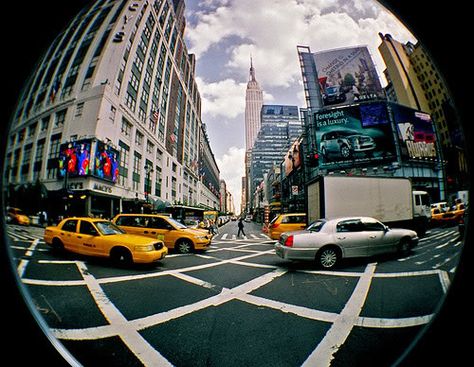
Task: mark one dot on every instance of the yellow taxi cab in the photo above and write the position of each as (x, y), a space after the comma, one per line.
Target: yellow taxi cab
(17, 216)
(285, 223)
(174, 234)
(99, 237)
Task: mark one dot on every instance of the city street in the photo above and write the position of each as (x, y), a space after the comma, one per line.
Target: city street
(236, 304)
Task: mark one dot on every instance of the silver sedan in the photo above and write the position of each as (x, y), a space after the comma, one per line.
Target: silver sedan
(329, 241)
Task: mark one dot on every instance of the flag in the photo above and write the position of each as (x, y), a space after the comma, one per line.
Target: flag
(54, 90)
(155, 115)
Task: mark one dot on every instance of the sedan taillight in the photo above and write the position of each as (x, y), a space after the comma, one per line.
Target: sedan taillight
(289, 241)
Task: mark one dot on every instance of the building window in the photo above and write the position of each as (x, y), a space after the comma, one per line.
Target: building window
(124, 151)
(53, 156)
(79, 109)
(158, 180)
(126, 127)
(138, 139)
(60, 118)
(137, 162)
(112, 114)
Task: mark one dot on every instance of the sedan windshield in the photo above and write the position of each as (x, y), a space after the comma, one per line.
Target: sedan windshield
(108, 228)
(316, 226)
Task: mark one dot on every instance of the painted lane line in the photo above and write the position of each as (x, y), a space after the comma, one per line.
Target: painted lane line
(444, 280)
(301, 311)
(224, 236)
(342, 326)
(24, 263)
(381, 323)
(135, 342)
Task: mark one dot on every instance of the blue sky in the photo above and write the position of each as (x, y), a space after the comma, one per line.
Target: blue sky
(224, 33)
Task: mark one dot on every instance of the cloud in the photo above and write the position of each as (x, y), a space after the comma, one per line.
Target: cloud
(231, 167)
(273, 29)
(225, 98)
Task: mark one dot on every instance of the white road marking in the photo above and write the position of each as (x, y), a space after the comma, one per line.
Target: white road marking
(24, 263)
(342, 326)
(224, 236)
(148, 355)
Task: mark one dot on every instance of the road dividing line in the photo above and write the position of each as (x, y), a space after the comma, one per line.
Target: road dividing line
(24, 263)
(131, 337)
(342, 326)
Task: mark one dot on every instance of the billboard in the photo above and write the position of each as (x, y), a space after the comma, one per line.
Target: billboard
(354, 135)
(415, 132)
(293, 157)
(347, 75)
(74, 158)
(106, 165)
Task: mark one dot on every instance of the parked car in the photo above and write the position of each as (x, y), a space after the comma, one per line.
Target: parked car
(174, 234)
(285, 223)
(17, 216)
(334, 94)
(329, 241)
(248, 218)
(341, 144)
(99, 237)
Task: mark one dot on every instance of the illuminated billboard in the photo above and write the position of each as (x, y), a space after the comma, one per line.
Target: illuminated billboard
(106, 163)
(354, 135)
(416, 133)
(293, 157)
(347, 75)
(74, 158)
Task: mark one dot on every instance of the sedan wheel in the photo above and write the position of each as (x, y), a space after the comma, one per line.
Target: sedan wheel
(328, 257)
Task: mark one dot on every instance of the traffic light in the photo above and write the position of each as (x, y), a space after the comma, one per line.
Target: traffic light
(313, 159)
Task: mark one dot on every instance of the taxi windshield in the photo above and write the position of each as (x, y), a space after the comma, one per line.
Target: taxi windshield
(108, 228)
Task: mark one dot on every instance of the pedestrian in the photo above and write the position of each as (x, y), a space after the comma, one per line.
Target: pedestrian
(241, 227)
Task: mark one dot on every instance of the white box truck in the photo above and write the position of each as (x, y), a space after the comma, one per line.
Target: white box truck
(388, 199)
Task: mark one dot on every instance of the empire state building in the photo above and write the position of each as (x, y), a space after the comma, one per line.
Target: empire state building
(253, 107)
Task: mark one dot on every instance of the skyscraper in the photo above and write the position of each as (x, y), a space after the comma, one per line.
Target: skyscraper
(253, 106)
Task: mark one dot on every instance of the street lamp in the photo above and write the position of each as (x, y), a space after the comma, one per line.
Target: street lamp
(148, 171)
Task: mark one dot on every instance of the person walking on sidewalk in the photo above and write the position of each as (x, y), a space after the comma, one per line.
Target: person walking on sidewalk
(241, 227)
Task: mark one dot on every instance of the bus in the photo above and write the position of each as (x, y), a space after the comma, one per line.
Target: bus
(211, 215)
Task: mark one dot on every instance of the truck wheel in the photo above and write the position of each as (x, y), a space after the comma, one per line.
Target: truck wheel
(328, 257)
(184, 246)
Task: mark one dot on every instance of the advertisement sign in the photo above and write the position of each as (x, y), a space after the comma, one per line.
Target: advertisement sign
(74, 158)
(354, 135)
(293, 158)
(106, 162)
(347, 75)
(416, 134)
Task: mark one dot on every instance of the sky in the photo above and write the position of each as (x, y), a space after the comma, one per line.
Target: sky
(225, 34)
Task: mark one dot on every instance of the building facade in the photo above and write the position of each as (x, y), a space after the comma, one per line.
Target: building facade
(414, 81)
(281, 126)
(118, 80)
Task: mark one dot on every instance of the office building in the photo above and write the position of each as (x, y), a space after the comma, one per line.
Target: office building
(111, 118)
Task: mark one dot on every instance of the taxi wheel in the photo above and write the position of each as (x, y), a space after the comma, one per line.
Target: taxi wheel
(57, 244)
(121, 256)
(184, 246)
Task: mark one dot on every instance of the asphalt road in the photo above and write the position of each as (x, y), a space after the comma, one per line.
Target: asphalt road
(236, 304)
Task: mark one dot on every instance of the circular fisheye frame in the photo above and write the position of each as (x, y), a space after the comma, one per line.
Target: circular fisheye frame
(267, 183)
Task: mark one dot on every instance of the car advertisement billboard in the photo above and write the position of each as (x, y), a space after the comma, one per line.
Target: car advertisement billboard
(354, 135)
(347, 75)
(74, 158)
(106, 162)
(416, 133)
